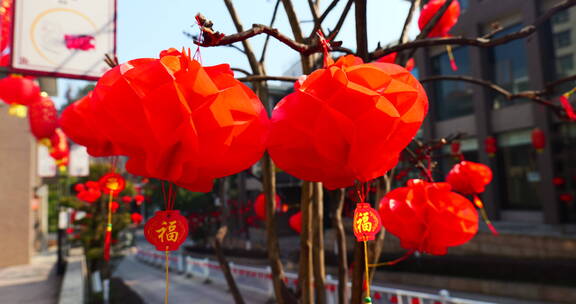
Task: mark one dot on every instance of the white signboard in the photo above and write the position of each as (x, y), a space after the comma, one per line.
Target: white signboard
(65, 38)
(79, 161)
(46, 164)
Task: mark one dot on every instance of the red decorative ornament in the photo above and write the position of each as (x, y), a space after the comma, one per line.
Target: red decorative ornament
(565, 102)
(206, 124)
(366, 223)
(391, 58)
(377, 296)
(5, 31)
(566, 198)
(114, 206)
(112, 183)
(19, 90)
(43, 118)
(445, 24)
(260, 205)
(538, 140)
(139, 199)
(558, 181)
(166, 230)
(455, 148)
(136, 218)
(295, 222)
(490, 146)
(126, 199)
(89, 192)
(59, 149)
(469, 177)
(428, 217)
(325, 130)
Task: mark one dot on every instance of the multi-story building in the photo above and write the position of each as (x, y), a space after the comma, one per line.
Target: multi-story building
(529, 186)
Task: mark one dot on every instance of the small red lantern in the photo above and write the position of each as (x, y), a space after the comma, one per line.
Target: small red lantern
(20, 90)
(260, 205)
(469, 177)
(566, 198)
(136, 218)
(89, 192)
(366, 223)
(166, 230)
(139, 199)
(43, 118)
(114, 206)
(445, 24)
(490, 146)
(112, 183)
(428, 217)
(295, 222)
(126, 199)
(538, 140)
(558, 181)
(391, 58)
(455, 148)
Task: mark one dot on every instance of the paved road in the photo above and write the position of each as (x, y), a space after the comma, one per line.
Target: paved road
(149, 283)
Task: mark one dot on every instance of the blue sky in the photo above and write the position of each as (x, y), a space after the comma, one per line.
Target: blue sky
(145, 27)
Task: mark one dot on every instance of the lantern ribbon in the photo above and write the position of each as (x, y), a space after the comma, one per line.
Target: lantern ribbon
(451, 57)
(395, 261)
(367, 299)
(108, 236)
(565, 102)
(480, 206)
(326, 48)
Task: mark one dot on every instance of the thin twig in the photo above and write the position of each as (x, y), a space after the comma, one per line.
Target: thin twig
(408, 21)
(332, 35)
(265, 78)
(268, 36)
(241, 71)
(318, 24)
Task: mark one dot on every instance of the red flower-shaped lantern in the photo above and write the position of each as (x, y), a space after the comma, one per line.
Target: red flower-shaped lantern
(166, 230)
(469, 177)
(19, 90)
(43, 118)
(391, 58)
(366, 223)
(538, 140)
(295, 222)
(347, 122)
(260, 205)
(428, 217)
(174, 119)
(445, 24)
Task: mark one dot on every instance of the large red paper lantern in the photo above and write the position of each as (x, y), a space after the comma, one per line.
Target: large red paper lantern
(166, 230)
(445, 24)
(469, 177)
(366, 223)
(428, 217)
(174, 119)
(538, 140)
(260, 205)
(347, 122)
(43, 118)
(20, 90)
(295, 222)
(391, 58)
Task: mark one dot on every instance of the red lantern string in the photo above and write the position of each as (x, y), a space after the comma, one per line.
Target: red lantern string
(110, 190)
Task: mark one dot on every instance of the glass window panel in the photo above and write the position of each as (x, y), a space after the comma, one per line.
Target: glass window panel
(562, 26)
(518, 169)
(452, 98)
(509, 67)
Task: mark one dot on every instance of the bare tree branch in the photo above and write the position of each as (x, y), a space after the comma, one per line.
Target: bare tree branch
(264, 78)
(332, 35)
(361, 29)
(268, 36)
(318, 24)
(408, 21)
(314, 12)
(242, 71)
(247, 47)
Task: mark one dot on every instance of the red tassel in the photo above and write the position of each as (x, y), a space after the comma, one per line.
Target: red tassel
(568, 108)
(480, 206)
(107, 242)
(453, 65)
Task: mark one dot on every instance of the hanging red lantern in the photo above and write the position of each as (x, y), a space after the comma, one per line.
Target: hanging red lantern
(112, 183)
(428, 217)
(16, 89)
(136, 218)
(490, 146)
(43, 118)
(366, 223)
(566, 198)
(391, 58)
(59, 149)
(126, 199)
(538, 140)
(89, 192)
(114, 206)
(455, 148)
(206, 124)
(166, 230)
(295, 222)
(139, 199)
(325, 130)
(558, 181)
(260, 205)
(469, 177)
(445, 24)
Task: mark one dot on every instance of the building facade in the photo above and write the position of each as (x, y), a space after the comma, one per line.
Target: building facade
(529, 186)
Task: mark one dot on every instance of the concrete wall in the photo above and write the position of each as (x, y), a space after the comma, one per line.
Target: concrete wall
(17, 175)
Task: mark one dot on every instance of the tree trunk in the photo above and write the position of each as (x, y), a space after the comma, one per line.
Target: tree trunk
(384, 184)
(357, 274)
(341, 243)
(305, 269)
(318, 249)
(225, 267)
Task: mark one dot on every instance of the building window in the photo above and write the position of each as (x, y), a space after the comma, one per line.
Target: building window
(562, 39)
(508, 64)
(518, 171)
(452, 98)
(565, 65)
(561, 17)
(565, 168)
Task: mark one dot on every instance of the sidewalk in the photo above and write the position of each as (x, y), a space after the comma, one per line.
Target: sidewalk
(35, 283)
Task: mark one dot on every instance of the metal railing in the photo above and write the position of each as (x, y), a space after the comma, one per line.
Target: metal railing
(259, 279)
